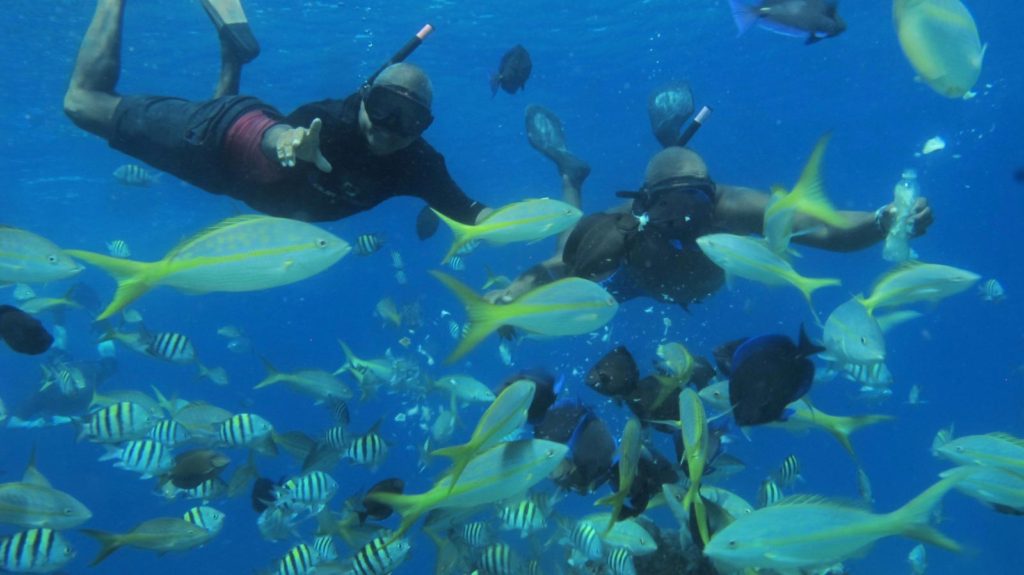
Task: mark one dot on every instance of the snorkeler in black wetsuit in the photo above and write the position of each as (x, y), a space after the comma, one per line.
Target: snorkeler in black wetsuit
(355, 154)
(647, 246)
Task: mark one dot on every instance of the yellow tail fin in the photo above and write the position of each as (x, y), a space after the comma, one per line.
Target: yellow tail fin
(133, 278)
(483, 316)
(109, 542)
(808, 195)
(912, 520)
(842, 427)
(462, 232)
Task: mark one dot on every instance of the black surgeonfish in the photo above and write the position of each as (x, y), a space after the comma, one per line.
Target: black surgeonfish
(375, 510)
(263, 494)
(591, 449)
(22, 332)
(513, 72)
(560, 421)
(815, 19)
(615, 374)
(547, 389)
(767, 373)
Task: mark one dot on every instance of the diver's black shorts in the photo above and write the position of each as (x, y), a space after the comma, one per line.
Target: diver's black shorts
(181, 137)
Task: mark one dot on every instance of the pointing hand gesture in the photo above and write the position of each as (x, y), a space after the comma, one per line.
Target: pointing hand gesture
(302, 144)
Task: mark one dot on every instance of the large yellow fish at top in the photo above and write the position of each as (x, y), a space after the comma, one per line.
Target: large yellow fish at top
(941, 41)
(244, 253)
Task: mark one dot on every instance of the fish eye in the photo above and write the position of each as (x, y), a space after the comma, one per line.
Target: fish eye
(732, 543)
(52, 258)
(68, 511)
(959, 449)
(321, 243)
(864, 340)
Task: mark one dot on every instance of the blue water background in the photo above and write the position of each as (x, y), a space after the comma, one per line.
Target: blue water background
(594, 64)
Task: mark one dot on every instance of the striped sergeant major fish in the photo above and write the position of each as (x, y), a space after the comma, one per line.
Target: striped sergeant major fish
(475, 534)
(312, 491)
(117, 423)
(499, 559)
(208, 518)
(380, 556)
(209, 490)
(620, 562)
(119, 249)
(369, 449)
(367, 244)
(245, 429)
(769, 493)
(299, 560)
(135, 175)
(585, 541)
(170, 433)
(144, 456)
(524, 516)
(325, 548)
(456, 263)
(789, 472)
(35, 551)
(173, 347)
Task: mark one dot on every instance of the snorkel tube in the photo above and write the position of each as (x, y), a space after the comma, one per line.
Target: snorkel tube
(402, 52)
(691, 130)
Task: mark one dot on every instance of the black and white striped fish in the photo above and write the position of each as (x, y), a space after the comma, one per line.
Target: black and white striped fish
(173, 347)
(769, 493)
(499, 559)
(244, 429)
(143, 456)
(456, 263)
(117, 423)
(789, 472)
(208, 518)
(586, 541)
(135, 175)
(339, 409)
(209, 490)
(620, 562)
(35, 551)
(369, 449)
(468, 247)
(299, 560)
(991, 290)
(336, 437)
(476, 534)
(311, 492)
(119, 249)
(379, 557)
(367, 244)
(523, 516)
(325, 548)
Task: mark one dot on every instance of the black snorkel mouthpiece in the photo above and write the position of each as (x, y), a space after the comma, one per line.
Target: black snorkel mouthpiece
(402, 53)
(691, 130)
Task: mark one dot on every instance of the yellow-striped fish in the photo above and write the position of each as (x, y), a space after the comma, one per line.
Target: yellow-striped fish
(28, 258)
(629, 458)
(694, 424)
(940, 40)
(570, 306)
(525, 221)
(244, 253)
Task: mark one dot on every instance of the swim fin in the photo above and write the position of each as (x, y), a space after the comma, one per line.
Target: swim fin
(233, 28)
(668, 109)
(544, 131)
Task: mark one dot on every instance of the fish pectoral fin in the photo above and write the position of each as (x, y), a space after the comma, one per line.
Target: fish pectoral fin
(288, 264)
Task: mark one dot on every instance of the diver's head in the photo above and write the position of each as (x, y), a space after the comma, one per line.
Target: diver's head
(677, 197)
(395, 109)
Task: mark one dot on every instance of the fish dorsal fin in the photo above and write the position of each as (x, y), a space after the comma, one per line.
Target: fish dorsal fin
(232, 221)
(32, 474)
(1007, 438)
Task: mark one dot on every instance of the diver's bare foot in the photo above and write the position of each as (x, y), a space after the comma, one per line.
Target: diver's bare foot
(233, 26)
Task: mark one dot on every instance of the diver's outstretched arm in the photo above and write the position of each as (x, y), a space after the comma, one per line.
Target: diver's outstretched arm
(741, 210)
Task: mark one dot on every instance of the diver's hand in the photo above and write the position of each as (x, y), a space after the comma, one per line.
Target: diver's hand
(921, 216)
(302, 144)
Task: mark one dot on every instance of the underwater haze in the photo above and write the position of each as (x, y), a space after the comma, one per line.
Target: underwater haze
(594, 65)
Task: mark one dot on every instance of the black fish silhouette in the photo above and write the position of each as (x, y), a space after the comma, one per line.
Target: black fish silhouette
(513, 72)
(24, 333)
(615, 374)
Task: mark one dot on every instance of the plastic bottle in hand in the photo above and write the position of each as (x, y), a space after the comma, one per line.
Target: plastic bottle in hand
(897, 243)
